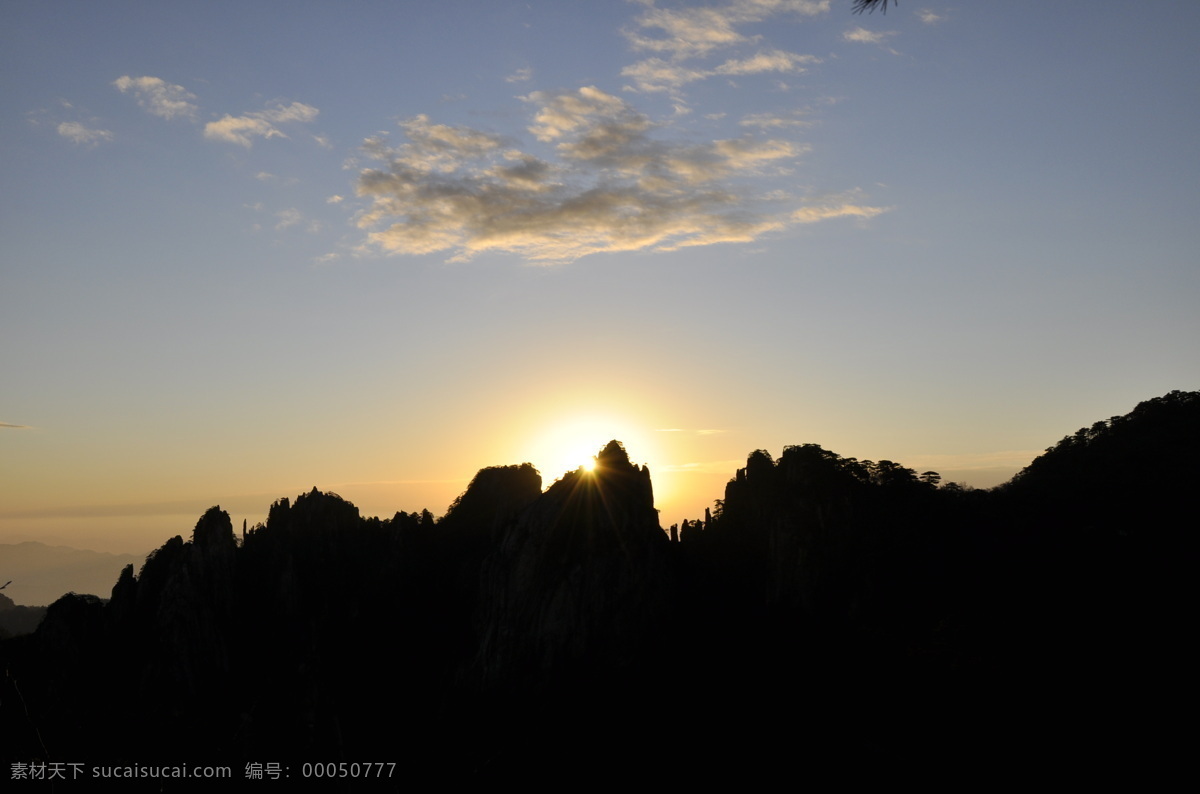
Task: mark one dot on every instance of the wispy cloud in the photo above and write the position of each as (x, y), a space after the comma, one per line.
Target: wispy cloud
(522, 75)
(293, 217)
(845, 205)
(288, 217)
(259, 124)
(82, 135)
(772, 121)
(681, 42)
(864, 36)
(770, 61)
(928, 16)
(685, 32)
(159, 97)
(655, 74)
(702, 432)
(696, 32)
(614, 186)
(8, 426)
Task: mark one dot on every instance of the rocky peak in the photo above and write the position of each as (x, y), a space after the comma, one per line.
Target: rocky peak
(493, 498)
(613, 456)
(582, 574)
(214, 531)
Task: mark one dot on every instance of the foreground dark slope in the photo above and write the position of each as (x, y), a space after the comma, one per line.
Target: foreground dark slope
(832, 616)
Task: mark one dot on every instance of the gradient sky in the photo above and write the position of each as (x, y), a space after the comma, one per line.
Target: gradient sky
(248, 248)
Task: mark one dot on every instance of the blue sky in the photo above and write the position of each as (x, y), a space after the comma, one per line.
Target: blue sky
(248, 248)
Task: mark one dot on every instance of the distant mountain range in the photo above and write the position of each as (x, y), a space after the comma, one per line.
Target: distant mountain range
(41, 574)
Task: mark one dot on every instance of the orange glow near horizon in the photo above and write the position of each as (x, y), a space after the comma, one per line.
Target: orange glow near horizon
(570, 443)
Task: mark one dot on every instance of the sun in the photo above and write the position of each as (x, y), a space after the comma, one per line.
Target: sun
(565, 440)
(572, 444)
(575, 453)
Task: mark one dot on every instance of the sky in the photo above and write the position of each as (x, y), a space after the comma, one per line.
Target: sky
(248, 249)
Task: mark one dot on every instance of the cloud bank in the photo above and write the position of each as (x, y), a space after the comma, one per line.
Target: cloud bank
(614, 184)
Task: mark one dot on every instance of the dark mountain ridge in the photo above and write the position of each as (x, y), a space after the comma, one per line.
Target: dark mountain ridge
(830, 616)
